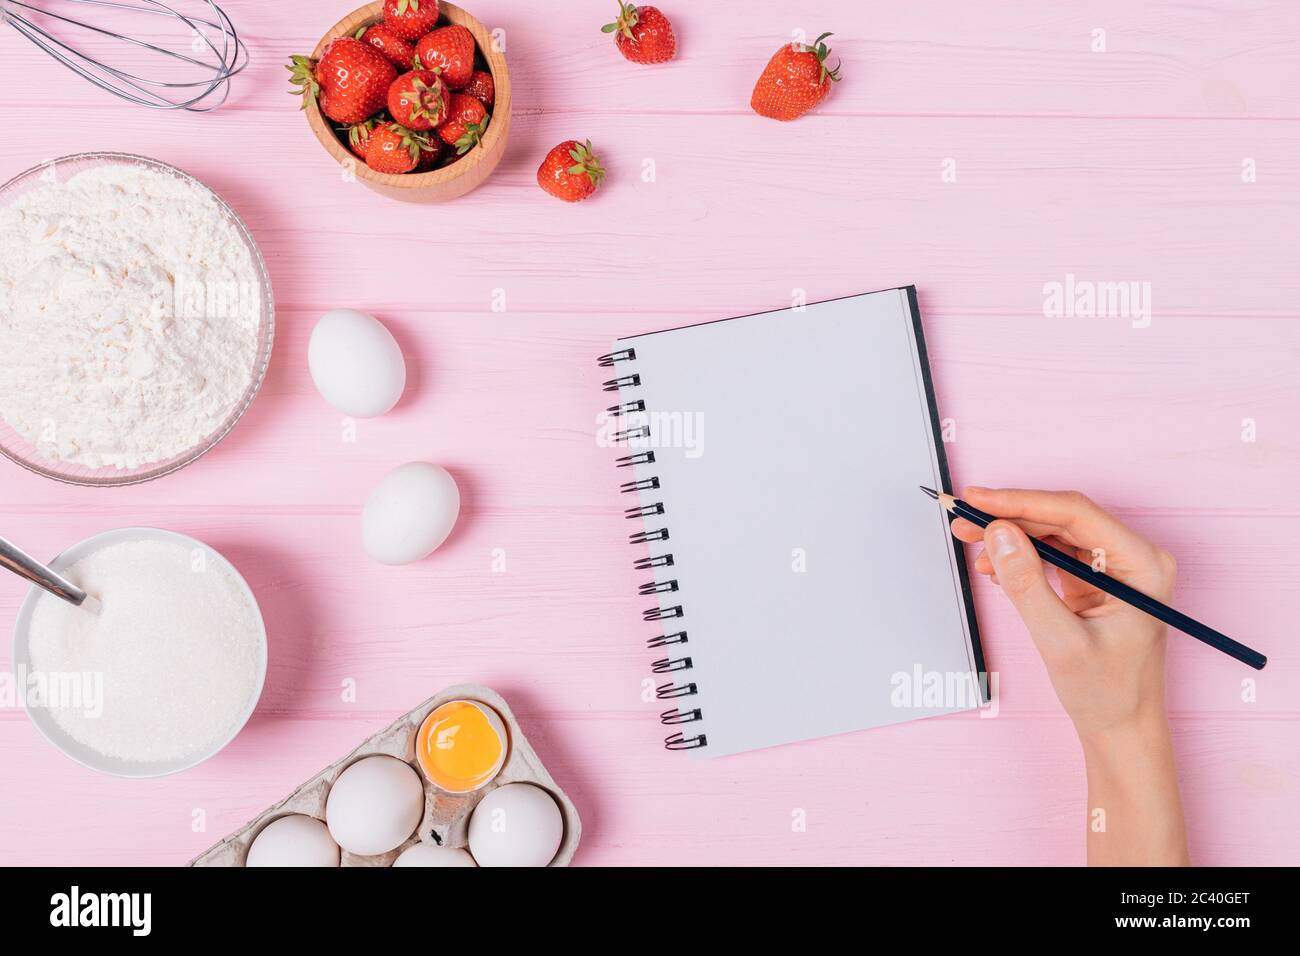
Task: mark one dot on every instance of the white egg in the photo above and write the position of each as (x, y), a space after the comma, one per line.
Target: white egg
(295, 840)
(374, 805)
(410, 513)
(516, 825)
(356, 363)
(426, 854)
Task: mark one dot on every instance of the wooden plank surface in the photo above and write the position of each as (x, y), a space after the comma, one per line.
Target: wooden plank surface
(1116, 166)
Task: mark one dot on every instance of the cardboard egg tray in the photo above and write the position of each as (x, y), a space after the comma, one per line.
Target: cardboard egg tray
(446, 816)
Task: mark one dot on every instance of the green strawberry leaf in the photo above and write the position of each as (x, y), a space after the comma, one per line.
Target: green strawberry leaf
(302, 74)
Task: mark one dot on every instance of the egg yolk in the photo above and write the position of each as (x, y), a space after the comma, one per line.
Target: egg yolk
(458, 748)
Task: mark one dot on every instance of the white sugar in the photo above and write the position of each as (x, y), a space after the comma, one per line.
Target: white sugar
(178, 645)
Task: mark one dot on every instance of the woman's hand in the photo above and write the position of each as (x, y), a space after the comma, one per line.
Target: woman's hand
(1105, 659)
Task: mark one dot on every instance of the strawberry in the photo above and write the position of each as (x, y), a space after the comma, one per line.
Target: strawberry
(644, 35)
(411, 19)
(466, 123)
(449, 50)
(396, 50)
(350, 83)
(358, 136)
(482, 85)
(795, 80)
(431, 149)
(571, 171)
(393, 148)
(419, 100)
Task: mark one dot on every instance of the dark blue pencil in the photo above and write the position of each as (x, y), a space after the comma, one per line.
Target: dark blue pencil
(1103, 582)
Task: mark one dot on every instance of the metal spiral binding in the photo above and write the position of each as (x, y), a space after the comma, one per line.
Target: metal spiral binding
(645, 484)
(645, 458)
(627, 434)
(627, 381)
(665, 665)
(610, 360)
(655, 587)
(663, 613)
(664, 640)
(641, 537)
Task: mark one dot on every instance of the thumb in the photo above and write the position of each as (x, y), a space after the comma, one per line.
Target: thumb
(1022, 578)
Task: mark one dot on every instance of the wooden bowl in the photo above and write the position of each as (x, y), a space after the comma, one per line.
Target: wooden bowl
(438, 185)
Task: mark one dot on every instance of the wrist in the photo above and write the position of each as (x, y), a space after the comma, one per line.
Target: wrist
(1134, 811)
(1120, 748)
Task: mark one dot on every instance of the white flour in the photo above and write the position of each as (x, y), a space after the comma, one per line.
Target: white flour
(129, 310)
(177, 645)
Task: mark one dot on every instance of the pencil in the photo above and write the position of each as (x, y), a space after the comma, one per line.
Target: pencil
(1118, 589)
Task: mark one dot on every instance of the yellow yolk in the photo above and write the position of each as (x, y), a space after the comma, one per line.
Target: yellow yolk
(461, 746)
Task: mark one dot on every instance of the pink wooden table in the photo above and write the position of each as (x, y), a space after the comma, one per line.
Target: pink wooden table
(979, 151)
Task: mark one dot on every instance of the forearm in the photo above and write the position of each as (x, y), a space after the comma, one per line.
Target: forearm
(1135, 815)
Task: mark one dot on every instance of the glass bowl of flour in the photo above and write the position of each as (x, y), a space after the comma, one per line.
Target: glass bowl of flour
(164, 677)
(136, 319)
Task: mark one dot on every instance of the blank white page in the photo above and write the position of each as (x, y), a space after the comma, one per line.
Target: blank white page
(817, 583)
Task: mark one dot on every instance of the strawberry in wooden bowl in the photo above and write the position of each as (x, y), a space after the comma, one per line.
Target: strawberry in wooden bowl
(412, 96)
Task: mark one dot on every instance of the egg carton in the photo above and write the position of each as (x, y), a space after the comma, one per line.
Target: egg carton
(446, 816)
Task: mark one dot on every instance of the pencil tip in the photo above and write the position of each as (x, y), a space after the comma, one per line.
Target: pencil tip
(931, 492)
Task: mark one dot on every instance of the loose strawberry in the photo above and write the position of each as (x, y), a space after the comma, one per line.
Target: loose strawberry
(449, 50)
(393, 149)
(384, 39)
(419, 100)
(482, 85)
(350, 83)
(795, 80)
(571, 171)
(358, 136)
(643, 34)
(466, 123)
(411, 19)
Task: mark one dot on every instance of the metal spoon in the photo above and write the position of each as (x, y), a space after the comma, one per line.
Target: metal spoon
(25, 566)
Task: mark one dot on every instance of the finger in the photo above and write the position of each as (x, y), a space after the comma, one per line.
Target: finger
(1067, 514)
(1085, 605)
(967, 531)
(983, 564)
(1021, 575)
(1072, 587)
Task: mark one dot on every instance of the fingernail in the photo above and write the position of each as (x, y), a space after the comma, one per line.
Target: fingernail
(1002, 543)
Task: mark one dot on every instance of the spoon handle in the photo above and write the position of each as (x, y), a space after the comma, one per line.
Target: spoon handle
(25, 566)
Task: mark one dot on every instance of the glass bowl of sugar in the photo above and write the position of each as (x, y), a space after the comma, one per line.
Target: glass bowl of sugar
(138, 319)
(164, 677)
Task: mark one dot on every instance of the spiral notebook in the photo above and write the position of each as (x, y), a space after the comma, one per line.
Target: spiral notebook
(805, 587)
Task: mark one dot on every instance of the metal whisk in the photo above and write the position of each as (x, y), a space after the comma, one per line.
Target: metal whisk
(202, 76)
